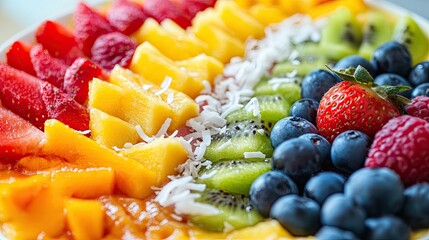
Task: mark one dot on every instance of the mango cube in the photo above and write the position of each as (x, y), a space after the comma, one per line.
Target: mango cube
(151, 64)
(111, 131)
(161, 156)
(173, 46)
(203, 67)
(183, 107)
(85, 219)
(136, 107)
(132, 178)
(239, 20)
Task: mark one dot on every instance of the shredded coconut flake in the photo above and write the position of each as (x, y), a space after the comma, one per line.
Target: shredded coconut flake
(146, 87)
(164, 85)
(83, 132)
(253, 106)
(170, 98)
(254, 155)
(163, 130)
(143, 135)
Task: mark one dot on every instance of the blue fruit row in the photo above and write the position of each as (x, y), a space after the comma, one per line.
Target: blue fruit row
(390, 65)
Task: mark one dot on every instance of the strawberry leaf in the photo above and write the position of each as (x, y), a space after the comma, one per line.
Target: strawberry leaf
(343, 74)
(363, 76)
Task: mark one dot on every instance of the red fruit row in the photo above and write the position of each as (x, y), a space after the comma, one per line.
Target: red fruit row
(51, 79)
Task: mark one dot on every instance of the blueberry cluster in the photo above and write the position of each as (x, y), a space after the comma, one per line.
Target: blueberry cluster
(390, 65)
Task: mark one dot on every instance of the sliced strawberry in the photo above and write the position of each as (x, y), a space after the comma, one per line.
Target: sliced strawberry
(126, 16)
(37, 101)
(89, 25)
(59, 41)
(17, 136)
(163, 9)
(18, 56)
(192, 7)
(62, 107)
(113, 48)
(78, 76)
(47, 67)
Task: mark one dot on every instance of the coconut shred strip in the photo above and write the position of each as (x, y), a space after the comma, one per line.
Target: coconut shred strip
(230, 93)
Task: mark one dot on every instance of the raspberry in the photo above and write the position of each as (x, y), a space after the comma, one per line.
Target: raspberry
(126, 16)
(402, 145)
(419, 108)
(111, 49)
(88, 25)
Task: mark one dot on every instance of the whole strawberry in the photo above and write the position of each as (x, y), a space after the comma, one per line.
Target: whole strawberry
(419, 108)
(403, 146)
(357, 104)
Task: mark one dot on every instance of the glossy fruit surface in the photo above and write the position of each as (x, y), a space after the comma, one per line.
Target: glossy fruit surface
(323, 185)
(409, 160)
(269, 187)
(379, 191)
(288, 128)
(305, 108)
(419, 74)
(317, 83)
(340, 150)
(393, 80)
(392, 57)
(416, 206)
(300, 216)
(354, 61)
(386, 227)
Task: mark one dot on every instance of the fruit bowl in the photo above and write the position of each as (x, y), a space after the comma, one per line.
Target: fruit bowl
(131, 171)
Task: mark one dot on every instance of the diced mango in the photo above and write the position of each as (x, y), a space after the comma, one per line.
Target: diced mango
(155, 67)
(203, 67)
(85, 219)
(173, 28)
(136, 107)
(29, 207)
(221, 45)
(162, 156)
(269, 229)
(267, 14)
(105, 96)
(239, 20)
(84, 183)
(290, 7)
(111, 131)
(132, 178)
(325, 9)
(211, 18)
(183, 107)
(175, 47)
(246, 3)
(37, 163)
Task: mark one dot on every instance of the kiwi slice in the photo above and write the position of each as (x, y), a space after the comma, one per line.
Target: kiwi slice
(309, 58)
(235, 211)
(272, 109)
(238, 138)
(290, 92)
(223, 175)
(377, 30)
(341, 36)
(408, 32)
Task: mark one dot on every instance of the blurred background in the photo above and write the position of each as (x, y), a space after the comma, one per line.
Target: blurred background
(16, 15)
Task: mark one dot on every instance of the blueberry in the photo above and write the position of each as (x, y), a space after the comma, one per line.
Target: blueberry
(305, 108)
(378, 190)
(341, 155)
(333, 233)
(269, 187)
(386, 227)
(290, 127)
(392, 57)
(298, 158)
(298, 215)
(420, 90)
(322, 146)
(354, 61)
(419, 74)
(393, 80)
(317, 83)
(323, 185)
(341, 212)
(416, 206)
